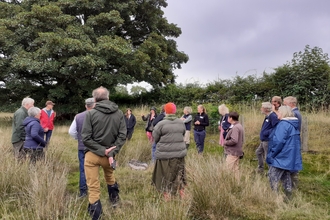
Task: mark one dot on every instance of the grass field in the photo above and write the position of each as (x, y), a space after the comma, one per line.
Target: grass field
(50, 190)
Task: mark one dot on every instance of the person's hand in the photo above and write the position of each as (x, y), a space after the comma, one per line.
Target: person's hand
(182, 119)
(197, 123)
(110, 160)
(107, 151)
(45, 129)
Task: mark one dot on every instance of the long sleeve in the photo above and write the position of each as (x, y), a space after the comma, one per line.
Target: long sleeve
(73, 129)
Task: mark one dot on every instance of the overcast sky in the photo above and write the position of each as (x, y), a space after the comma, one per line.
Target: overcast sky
(227, 37)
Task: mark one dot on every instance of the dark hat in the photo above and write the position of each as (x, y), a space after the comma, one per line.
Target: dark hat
(153, 108)
(50, 103)
(170, 108)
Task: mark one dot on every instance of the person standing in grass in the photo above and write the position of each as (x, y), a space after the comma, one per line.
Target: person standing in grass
(224, 124)
(18, 131)
(187, 118)
(130, 123)
(234, 144)
(103, 134)
(284, 156)
(201, 120)
(149, 125)
(292, 103)
(268, 125)
(75, 132)
(168, 174)
(47, 120)
(34, 143)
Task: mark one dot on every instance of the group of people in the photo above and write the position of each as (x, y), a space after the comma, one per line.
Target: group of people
(32, 129)
(103, 128)
(280, 143)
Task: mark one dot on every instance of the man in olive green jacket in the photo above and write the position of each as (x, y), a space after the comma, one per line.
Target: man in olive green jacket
(18, 133)
(103, 134)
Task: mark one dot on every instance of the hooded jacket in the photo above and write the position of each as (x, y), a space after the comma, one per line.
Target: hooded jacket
(18, 128)
(284, 146)
(34, 133)
(47, 121)
(168, 135)
(104, 127)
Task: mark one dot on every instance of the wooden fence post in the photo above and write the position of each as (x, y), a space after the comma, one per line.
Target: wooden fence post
(304, 134)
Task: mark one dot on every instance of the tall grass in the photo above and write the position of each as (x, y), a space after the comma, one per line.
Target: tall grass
(49, 189)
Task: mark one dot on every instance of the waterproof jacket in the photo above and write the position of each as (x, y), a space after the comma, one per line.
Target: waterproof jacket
(234, 140)
(104, 127)
(284, 146)
(34, 133)
(18, 128)
(268, 125)
(130, 122)
(149, 125)
(47, 121)
(168, 135)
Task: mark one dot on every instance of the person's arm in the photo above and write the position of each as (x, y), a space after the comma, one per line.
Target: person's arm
(35, 134)
(19, 118)
(121, 138)
(232, 137)
(87, 137)
(73, 129)
(188, 119)
(158, 118)
(133, 121)
(205, 121)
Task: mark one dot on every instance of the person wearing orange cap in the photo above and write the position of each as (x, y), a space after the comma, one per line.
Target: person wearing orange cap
(168, 174)
(47, 120)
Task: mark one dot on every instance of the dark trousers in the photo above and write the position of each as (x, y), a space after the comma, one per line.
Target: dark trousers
(199, 137)
(82, 177)
(129, 134)
(34, 154)
(48, 134)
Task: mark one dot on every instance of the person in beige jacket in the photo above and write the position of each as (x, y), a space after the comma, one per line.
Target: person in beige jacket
(234, 144)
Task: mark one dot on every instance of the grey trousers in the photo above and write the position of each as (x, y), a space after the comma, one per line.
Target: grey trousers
(261, 153)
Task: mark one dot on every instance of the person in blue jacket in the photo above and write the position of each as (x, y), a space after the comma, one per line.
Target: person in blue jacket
(284, 155)
(34, 139)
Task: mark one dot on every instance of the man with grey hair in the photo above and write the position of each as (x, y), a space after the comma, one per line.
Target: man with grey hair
(18, 132)
(75, 132)
(103, 134)
(269, 123)
(292, 103)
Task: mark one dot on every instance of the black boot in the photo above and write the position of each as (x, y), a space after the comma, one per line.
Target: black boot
(187, 146)
(95, 210)
(113, 191)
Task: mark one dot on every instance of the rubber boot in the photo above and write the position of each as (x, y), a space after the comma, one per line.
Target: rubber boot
(187, 146)
(113, 191)
(95, 210)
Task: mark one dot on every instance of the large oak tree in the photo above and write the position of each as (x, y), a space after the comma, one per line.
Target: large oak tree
(63, 49)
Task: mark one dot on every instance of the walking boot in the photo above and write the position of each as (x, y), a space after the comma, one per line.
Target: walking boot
(113, 191)
(95, 210)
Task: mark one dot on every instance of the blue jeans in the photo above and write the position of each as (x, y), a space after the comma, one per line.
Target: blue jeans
(48, 134)
(199, 137)
(82, 177)
(153, 150)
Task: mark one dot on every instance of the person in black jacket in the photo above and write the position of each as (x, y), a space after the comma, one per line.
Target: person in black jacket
(201, 120)
(130, 123)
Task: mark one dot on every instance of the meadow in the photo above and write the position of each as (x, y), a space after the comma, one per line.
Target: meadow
(49, 190)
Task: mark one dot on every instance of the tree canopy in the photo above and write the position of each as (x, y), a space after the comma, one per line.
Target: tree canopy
(63, 49)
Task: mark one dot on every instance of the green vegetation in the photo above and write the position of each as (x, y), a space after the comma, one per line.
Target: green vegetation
(50, 190)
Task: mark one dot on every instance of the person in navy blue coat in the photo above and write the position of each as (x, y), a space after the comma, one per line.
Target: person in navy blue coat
(284, 154)
(34, 139)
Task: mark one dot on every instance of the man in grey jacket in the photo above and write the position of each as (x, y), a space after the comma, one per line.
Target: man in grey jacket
(104, 133)
(18, 134)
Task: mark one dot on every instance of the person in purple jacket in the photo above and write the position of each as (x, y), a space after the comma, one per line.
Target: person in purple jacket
(34, 139)
(75, 132)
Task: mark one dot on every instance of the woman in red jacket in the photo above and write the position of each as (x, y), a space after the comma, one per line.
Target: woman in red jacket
(47, 120)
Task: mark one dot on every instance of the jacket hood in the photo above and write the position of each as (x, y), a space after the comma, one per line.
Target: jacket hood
(293, 121)
(29, 119)
(106, 107)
